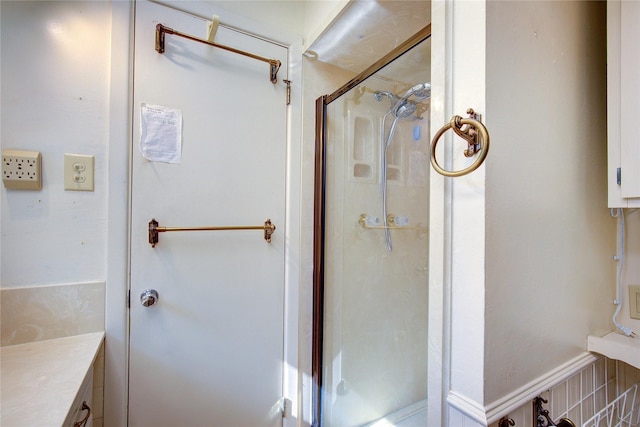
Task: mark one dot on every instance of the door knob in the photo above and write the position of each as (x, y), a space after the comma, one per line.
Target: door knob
(149, 297)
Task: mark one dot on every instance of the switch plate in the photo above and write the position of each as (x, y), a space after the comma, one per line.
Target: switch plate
(78, 172)
(21, 169)
(634, 301)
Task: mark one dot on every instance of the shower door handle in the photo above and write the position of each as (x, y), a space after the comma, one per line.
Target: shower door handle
(149, 297)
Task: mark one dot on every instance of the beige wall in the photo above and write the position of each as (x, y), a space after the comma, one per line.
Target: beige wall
(549, 235)
(537, 211)
(631, 271)
(39, 313)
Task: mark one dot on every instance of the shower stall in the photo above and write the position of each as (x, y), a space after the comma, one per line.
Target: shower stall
(371, 243)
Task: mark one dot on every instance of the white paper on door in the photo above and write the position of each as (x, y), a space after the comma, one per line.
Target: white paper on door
(160, 133)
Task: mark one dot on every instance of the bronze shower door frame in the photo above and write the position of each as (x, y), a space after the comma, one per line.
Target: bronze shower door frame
(319, 212)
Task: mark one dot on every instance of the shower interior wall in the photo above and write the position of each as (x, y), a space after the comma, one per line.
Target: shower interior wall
(376, 300)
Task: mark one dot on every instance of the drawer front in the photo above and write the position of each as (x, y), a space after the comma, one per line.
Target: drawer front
(80, 414)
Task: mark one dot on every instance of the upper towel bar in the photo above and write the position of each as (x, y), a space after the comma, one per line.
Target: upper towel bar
(161, 30)
(154, 229)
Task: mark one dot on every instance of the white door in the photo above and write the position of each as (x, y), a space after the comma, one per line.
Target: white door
(210, 351)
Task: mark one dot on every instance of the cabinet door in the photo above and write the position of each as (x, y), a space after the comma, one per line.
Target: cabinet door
(623, 92)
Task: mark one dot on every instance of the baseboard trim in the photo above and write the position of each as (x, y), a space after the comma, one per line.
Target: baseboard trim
(492, 412)
(468, 407)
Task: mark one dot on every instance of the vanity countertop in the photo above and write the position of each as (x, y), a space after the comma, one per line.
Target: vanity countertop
(40, 380)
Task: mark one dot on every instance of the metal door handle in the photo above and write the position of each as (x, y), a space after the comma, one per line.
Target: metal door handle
(149, 297)
(83, 422)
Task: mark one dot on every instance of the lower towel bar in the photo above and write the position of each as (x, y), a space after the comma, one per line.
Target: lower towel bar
(155, 228)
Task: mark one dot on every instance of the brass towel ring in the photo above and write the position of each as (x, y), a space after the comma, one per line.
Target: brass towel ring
(470, 134)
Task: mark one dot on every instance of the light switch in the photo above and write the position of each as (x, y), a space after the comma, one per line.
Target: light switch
(634, 301)
(78, 172)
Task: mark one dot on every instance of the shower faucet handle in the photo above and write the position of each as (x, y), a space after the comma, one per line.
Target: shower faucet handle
(397, 220)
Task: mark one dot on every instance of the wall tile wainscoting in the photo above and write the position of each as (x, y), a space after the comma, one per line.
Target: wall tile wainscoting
(583, 394)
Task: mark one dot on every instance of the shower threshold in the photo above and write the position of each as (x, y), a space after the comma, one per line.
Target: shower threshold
(414, 415)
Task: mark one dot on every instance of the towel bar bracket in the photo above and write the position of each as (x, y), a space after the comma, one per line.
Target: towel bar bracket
(541, 416)
(506, 422)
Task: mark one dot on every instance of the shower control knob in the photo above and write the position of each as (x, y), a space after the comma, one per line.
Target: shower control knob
(149, 297)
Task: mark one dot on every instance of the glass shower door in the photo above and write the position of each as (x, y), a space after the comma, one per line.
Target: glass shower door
(375, 162)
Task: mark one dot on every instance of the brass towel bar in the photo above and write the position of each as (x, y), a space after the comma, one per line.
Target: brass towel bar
(154, 229)
(161, 30)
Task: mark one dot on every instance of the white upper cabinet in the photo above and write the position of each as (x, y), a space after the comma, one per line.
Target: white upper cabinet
(623, 97)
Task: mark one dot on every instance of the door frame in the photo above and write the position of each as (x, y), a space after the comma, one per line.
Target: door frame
(119, 199)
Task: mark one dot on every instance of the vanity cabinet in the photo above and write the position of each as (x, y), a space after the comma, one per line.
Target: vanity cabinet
(46, 382)
(623, 103)
(81, 414)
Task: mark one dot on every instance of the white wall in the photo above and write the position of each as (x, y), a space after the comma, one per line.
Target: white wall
(457, 214)
(308, 18)
(285, 15)
(55, 99)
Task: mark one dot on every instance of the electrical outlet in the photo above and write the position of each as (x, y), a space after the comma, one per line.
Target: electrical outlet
(78, 172)
(21, 169)
(634, 301)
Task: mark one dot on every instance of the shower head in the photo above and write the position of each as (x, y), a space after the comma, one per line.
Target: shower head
(401, 106)
(420, 91)
(404, 109)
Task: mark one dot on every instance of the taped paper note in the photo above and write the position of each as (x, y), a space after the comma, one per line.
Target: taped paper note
(161, 133)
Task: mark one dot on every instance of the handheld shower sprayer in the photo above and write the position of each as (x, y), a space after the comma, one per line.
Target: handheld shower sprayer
(405, 107)
(402, 108)
(420, 91)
